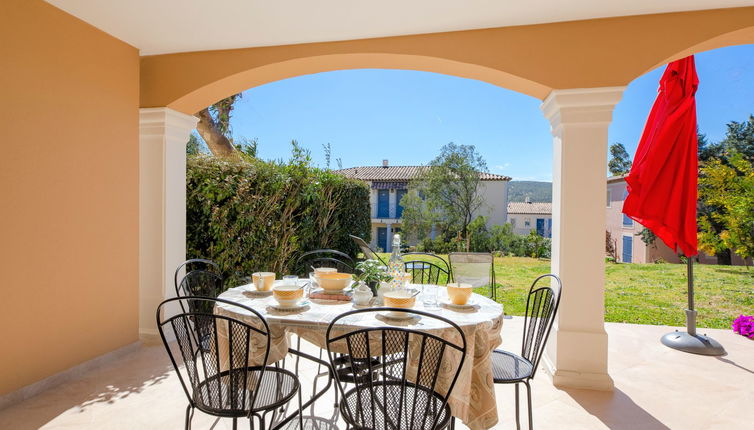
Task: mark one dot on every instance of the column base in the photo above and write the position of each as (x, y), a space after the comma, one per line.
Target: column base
(578, 359)
(586, 381)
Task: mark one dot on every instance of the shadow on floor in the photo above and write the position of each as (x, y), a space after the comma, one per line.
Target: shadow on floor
(107, 384)
(733, 363)
(616, 410)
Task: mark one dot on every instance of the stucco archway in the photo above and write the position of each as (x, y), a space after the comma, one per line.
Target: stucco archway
(578, 102)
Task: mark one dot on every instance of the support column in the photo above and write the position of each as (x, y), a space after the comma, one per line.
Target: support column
(163, 134)
(577, 350)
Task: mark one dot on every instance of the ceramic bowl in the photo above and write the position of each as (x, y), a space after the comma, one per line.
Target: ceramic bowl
(288, 295)
(399, 299)
(334, 281)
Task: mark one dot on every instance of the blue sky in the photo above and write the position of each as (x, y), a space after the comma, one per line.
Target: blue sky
(406, 116)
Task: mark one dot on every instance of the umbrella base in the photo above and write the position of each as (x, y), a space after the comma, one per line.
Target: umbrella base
(695, 344)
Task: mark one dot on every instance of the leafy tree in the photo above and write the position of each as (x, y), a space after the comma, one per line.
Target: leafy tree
(214, 126)
(450, 185)
(620, 161)
(247, 146)
(740, 138)
(730, 188)
(417, 219)
(194, 145)
(647, 236)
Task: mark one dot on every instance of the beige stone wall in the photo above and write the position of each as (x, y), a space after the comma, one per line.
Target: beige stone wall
(69, 191)
(495, 206)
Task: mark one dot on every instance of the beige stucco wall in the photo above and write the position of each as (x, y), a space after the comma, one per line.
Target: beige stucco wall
(495, 206)
(531, 59)
(69, 192)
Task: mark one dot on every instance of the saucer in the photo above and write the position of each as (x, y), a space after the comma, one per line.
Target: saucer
(301, 306)
(252, 291)
(398, 315)
(470, 304)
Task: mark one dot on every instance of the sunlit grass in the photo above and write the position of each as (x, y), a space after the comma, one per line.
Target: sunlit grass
(643, 293)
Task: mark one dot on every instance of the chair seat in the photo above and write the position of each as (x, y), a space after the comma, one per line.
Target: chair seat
(383, 402)
(359, 371)
(509, 367)
(278, 386)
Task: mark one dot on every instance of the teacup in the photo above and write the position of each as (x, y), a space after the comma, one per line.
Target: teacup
(459, 294)
(263, 281)
(288, 295)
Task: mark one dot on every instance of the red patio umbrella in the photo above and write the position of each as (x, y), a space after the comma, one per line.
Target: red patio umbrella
(662, 184)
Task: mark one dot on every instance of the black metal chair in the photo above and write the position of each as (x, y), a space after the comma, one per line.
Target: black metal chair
(430, 269)
(509, 368)
(203, 278)
(369, 253)
(475, 268)
(311, 260)
(397, 370)
(225, 379)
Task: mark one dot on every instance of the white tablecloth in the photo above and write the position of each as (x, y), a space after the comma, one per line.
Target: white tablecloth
(472, 399)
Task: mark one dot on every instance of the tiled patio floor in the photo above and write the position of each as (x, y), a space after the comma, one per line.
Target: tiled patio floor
(656, 388)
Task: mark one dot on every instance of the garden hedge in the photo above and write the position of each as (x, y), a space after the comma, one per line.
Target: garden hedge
(253, 215)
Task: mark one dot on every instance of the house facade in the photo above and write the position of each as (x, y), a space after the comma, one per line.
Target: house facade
(389, 184)
(625, 232)
(527, 216)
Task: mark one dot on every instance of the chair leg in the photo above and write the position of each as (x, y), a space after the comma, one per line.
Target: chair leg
(518, 413)
(235, 423)
(189, 415)
(531, 415)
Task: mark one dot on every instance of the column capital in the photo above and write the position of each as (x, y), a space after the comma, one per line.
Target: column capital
(163, 121)
(582, 106)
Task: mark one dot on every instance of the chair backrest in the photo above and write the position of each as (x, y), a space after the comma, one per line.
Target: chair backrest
(541, 306)
(311, 260)
(475, 268)
(200, 283)
(215, 353)
(369, 253)
(402, 377)
(194, 264)
(426, 268)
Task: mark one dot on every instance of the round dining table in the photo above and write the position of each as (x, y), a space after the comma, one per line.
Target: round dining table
(473, 397)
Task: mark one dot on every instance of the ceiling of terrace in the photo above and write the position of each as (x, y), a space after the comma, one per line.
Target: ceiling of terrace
(168, 26)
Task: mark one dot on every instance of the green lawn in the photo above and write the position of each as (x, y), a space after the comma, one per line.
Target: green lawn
(644, 293)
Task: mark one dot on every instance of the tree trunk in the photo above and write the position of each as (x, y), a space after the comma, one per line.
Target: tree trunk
(724, 258)
(217, 143)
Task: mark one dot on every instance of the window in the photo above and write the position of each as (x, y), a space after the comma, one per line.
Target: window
(609, 198)
(628, 251)
(627, 221)
(399, 207)
(513, 222)
(527, 222)
(383, 204)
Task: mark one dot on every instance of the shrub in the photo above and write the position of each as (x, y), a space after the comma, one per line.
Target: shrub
(499, 240)
(250, 215)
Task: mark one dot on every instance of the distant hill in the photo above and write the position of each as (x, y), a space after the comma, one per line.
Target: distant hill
(536, 191)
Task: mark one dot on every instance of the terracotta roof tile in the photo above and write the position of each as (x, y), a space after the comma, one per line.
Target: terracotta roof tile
(399, 173)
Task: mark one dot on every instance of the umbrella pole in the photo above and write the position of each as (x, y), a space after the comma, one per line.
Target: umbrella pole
(690, 312)
(689, 341)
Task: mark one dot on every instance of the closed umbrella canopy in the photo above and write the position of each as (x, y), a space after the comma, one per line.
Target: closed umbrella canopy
(662, 184)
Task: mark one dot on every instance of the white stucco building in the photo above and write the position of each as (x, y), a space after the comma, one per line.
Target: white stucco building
(390, 183)
(527, 216)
